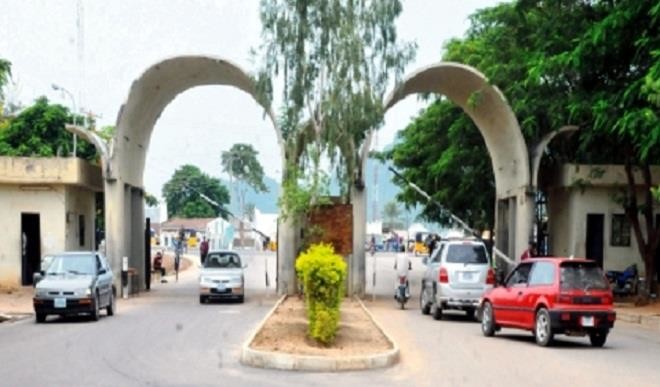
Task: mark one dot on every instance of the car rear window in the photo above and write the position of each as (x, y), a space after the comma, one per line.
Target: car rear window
(582, 275)
(223, 260)
(467, 253)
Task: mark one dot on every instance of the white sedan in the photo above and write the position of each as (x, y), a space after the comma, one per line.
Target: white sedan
(222, 277)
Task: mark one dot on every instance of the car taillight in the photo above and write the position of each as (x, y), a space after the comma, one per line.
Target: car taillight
(607, 300)
(443, 277)
(490, 277)
(564, 299)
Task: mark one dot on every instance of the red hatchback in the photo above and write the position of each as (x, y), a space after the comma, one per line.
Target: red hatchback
(551, 296)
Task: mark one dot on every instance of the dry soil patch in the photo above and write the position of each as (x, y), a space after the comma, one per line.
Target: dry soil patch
(286, 331)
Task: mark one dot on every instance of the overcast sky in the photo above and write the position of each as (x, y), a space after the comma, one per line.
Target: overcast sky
(120, 39)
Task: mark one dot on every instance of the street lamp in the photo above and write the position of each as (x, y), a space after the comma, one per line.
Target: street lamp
(75, 112)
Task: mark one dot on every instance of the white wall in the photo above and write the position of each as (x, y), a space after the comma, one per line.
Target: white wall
(49, 204)
(79, 201)
(568, 225)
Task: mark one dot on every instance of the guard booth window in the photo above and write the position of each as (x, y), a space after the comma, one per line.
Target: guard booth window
(620, 231)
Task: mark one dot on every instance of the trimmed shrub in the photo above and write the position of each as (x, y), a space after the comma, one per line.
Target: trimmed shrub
(322, 273)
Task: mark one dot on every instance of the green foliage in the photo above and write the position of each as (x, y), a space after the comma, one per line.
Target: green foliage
(334, 60)
(150, 200)
(322, 273)
(5, 75)
(301, 192)
(240, 162)
(39, 131)
(183, 194)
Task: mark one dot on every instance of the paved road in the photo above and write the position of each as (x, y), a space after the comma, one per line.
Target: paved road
(167, 338)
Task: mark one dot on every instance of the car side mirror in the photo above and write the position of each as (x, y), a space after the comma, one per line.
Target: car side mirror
(102, 271)
(245, 265)
(499, 278)
(36, 277)
(425, 260)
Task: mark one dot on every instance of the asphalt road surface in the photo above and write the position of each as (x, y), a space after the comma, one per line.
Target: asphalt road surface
(166, 338)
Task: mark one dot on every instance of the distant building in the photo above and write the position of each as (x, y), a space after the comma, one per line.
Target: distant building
(220, 234)
(585, 218)
(47, 205)
(194, 230)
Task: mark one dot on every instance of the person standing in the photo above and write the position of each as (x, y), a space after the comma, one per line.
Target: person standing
(203, 250)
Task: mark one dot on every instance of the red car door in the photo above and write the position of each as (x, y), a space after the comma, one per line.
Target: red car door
(540, 287)
(508, 305)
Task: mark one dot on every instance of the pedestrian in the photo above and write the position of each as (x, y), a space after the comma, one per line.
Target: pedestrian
(158, 264)
(530, 252)
(203, 250)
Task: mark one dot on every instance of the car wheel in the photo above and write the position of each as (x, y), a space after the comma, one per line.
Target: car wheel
(241, 299)
(423, 302)
(112, 304)
(470, 313)
(40, 317)
(96, 314)
(487, 320)
(543, 328)
(436, 311)
(202, 299)
(598, 338)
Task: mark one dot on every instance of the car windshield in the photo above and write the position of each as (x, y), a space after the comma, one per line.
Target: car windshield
(582, 275)
(72, 264)
(222, 261)
(468, 253)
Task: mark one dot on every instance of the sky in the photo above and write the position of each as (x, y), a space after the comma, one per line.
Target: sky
(118, 40)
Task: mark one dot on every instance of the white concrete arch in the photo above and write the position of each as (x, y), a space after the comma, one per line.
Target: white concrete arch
(149, 95)
(154, 90)
(488, 108)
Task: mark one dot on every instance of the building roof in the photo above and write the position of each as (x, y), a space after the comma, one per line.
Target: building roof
(197, 224)
(46, 171)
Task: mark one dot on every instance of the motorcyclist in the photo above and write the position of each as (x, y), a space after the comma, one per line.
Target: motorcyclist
(402, 265)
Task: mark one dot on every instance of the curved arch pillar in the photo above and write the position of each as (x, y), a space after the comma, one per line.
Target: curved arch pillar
(491, 113)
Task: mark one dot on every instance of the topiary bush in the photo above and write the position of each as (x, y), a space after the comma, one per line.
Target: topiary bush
(322, 273)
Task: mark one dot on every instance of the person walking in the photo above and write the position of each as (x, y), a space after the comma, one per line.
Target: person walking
(203, 250)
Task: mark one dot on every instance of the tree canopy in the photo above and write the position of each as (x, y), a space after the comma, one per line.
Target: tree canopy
(183, 194)
(39, 131)
(334, 60)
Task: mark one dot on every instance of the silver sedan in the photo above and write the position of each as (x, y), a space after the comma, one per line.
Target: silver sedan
(222, 277)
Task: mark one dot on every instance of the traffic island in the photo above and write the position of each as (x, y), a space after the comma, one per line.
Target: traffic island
(281, 341)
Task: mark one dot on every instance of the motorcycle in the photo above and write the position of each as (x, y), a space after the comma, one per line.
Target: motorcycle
(625, 282)
(402, 294)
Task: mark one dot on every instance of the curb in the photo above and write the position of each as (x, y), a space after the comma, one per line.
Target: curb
(651, 321)
(290, 362)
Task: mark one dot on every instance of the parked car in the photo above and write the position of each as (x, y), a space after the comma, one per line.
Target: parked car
(551, 296)
(457, 275)
(222, 277)
(74, 283)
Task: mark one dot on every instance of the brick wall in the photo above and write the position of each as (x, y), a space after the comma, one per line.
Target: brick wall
(336, 220)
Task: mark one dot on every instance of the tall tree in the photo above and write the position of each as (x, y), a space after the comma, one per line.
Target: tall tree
(334, 60)
(392, 213)
(5, 75)
(38, 131)
(183, 194)
(241, 164)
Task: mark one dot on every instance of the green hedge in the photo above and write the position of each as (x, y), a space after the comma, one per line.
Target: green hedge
(322, 273)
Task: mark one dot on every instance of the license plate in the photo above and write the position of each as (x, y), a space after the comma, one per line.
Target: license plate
(587, 321)
(220, 287)
(467, 276)
(60, 303)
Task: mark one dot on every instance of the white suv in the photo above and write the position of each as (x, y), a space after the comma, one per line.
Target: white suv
(457, 275)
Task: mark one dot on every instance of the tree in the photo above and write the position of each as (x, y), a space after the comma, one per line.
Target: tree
(183, 194)
(335, 59)
(5, 75)
(39, 131)
(241, 164)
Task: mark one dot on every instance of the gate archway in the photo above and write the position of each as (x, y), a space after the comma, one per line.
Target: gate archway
(491, 113)
(124, 166)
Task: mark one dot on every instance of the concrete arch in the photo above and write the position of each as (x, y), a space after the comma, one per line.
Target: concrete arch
(149, 95)
(488, 108)
(154, 90)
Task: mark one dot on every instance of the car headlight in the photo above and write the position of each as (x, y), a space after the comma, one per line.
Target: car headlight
(237, 279)
(42, 292)
(84, 292)
(204, 280)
